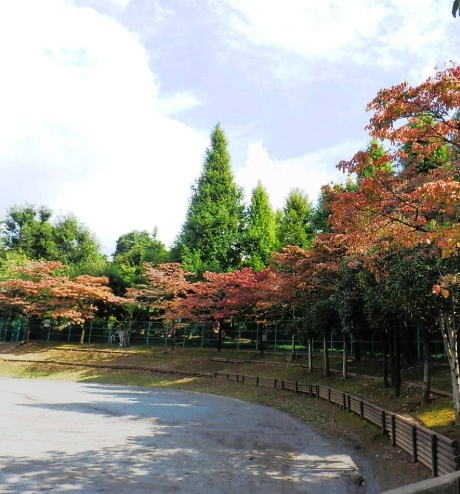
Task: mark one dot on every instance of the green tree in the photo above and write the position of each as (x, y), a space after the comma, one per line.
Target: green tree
(211, 236)
(294, 221)
(74, 242)
(456, 8)
(135, 248)
(260, 235)
(29, 230)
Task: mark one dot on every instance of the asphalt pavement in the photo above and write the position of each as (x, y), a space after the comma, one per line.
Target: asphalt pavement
(63, 437)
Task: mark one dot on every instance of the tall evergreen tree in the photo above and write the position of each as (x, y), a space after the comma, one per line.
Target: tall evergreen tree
(210, 239)
(294, 221)
(260, 238)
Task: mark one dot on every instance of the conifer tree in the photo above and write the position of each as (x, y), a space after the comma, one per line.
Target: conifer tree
(210, 239)
(260, 238)
(294, 220)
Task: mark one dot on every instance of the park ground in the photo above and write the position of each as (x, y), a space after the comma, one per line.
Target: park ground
(390, 466)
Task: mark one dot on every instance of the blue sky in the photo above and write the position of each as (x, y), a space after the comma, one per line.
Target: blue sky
(107, 105)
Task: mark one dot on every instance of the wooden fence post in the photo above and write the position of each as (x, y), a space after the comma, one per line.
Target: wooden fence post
(329, 395)
(361, 409)
(414, 444)
(434, 456)
(383, 423)
(393, 430)
(344, 403)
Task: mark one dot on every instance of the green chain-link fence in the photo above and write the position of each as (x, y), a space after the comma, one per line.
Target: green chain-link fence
(236, 335)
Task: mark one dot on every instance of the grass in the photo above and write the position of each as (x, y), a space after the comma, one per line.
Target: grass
(438, 414)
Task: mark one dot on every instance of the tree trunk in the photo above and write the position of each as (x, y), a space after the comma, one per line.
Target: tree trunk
(409, 354)
(345, 355)
(27, 331)
(448, 326)
(310, 354)
(397, 360)
(327, 371)
(261, 340)
(219, 338)
(82, 335)
(173, 337)
(392, 357)
(426, 365)
(357, 350)
(385, 362)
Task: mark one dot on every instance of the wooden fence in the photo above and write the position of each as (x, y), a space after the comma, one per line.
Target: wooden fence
(436, 452)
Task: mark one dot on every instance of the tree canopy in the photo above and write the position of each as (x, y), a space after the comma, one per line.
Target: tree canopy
(211, 236)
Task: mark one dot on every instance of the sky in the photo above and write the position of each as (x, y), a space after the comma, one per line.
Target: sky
(106, 106)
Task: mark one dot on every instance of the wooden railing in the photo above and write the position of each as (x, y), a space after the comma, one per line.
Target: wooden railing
(436, 452)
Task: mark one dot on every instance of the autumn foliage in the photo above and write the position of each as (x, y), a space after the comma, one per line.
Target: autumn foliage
(40, 289)
(411, 198)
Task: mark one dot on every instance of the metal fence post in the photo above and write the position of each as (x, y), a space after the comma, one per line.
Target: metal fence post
(202, 334)
(90, 331)
(148, 334)
(70, 330)
(185, 332)
(276, 330)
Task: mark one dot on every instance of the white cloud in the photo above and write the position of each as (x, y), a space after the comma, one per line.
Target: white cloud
(123, 3)
(81, 127)
(279, 177)
(362, 32)
(178, 103)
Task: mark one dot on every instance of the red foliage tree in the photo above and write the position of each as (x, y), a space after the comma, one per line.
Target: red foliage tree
(405, 207)
(41, 290)
(165, 284)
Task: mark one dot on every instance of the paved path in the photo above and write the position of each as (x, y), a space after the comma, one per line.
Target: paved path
(63, 437)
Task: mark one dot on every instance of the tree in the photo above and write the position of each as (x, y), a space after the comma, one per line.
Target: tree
(294, 221)
(135, 248)
(164, 285)
(309, 277)
(260, 235)
(29, 230)
(74, 242)
(245, 293)
(414, 209)
(210, 238)
(41, 289)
